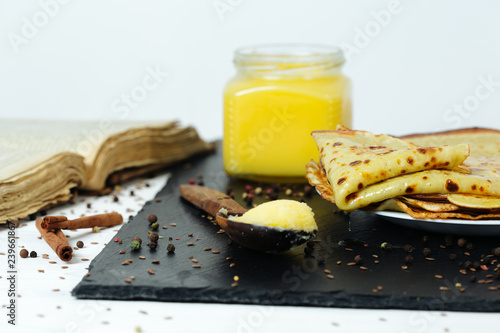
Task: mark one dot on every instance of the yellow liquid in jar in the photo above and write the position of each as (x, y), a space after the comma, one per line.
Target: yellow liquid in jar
(268, 123)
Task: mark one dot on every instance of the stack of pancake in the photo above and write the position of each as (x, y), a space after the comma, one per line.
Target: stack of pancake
(454, 174)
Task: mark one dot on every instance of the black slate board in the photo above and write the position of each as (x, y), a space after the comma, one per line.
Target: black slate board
(288, 278)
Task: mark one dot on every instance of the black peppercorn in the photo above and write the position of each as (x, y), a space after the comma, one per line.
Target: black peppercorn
(469, 246)
(476, 265)
(310, 244)
(496, 251)
(467, 264)
(497, 274)
(408, 248)
(452, 256)
(358, 259)
(425, 239)
(487, 260)
(308, 191)
(472, 278)
(33, 254)
(461, 242)
(170, 248)
(24, 253)
(79, 244)
(308, 251)
(153, 237)
(152, 218)
(409, 259)
(152, 245)
(427, 251)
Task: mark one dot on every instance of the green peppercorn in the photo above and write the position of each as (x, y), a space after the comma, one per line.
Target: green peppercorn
(155, 226)
(135, 245)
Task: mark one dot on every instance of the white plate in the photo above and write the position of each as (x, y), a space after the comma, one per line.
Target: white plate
(457, 227)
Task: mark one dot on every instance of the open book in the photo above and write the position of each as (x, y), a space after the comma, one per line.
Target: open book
(42, 161)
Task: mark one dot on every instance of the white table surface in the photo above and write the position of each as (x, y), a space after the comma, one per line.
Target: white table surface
(41, 309)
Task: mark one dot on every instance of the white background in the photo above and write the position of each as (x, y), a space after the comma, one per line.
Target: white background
(408, 73)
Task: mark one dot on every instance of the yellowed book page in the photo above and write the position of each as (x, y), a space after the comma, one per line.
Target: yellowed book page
(24, 144)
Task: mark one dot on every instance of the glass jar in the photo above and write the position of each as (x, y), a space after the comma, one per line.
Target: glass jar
(279, 95)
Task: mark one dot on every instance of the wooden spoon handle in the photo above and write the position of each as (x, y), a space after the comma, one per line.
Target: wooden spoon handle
(210, 200)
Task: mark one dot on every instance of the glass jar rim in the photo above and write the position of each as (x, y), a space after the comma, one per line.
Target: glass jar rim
(298, 53)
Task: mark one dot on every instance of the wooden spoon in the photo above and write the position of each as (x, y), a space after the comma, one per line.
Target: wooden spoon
(255, 237)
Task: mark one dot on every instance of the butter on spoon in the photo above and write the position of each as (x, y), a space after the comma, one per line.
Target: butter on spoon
(273, 226)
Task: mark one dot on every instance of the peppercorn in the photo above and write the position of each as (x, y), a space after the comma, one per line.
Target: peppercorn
(408, 248)
(138, 239)
(308, 191)
(135, 245)
(452, 256)
(33, 254)
(469, 246)
(152, 245)
(476, 265)
(386, 246)
(308, 251)
(115, 198)
(409, 258)
(461, 242)
(201, 182)
(310, 244)
(358, 259)
(24, 253)
(155, 226)
(448, 240)
(472, 278)
(249, 199)
(153, 237)
(425, 239)
(79, 244)
(496, 251)
(427, 251)
(152, 218)
(487, 260)
(170, 248)
(497, 274)
(467, 264)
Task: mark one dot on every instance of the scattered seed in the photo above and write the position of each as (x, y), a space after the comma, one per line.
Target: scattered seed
(85, 259)
(339, 262)
(429, 259)
(173, 224)
(196, 266)
(463, 271)
(330, 276)
(142, 257)
(437, 276)
(327, 271)
(194, 260)
(404, 267)
(128, 280)
(151, 271)
(444, 288)
(54, 262)
(190, 244)
(207, 249)
(123, 251)
(216, 252)
(56, 289)
(41, 271)
(363, 268)
(232, 264)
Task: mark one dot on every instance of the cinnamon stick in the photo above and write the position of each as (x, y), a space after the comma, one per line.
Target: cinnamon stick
(101, 220)
(52, 219)
(57, 241)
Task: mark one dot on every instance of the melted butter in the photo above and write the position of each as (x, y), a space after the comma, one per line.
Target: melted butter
(286, 214)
